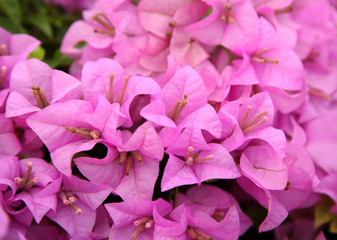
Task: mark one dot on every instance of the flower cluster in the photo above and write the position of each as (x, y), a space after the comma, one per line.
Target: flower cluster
(175, 113)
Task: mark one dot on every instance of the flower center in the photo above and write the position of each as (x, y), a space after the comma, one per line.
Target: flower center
(26, 183)
(257, 57)
(177, 108)
(227, 15)
(248, 126)
(40, 97)
(105, 22)
(85, 132)
(69, 199)
(129, 158)
(196, 233)
(110, 93)
(142, 224)
(194, 158)
(3, 50)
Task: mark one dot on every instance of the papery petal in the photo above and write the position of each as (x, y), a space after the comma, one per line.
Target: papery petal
(141, 180)
(264, 167)
(65, 87)
(147, 141)
(50, 123)
(90, 193)
(77, 226)
(168, 229)
(186, 81)
(222, 166)
(177, 173)
(127, 212)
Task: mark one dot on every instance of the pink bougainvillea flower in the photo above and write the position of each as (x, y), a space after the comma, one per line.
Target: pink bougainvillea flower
(145, 150)
(135, 164)
(185, 49)
(159, 18)
(108, 78)
(250, 121)
(172, 225)
(34, 85)
(77, 204)
(183, 94)
(216, 203)
(78, 226)
(39, 182)
(228, 18)
(275, 63)
(198, 166)
(133, 222)
(13, 48)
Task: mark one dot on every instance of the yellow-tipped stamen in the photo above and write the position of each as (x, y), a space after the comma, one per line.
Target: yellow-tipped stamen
(122, 157)
(64, 198)
(128, 165)
(264, 60)
(84, 132)
(40, 97)
(27, 176)
(143, 220)
(78, 210)
(122, 92)
(318, 93)
(19, 182)
(253, 127)
(110, 91)
(95, 134)
(180, 108)
(172, 24)
(174, 109)
(243, 120)
(149, 224)
(257, 57)
(136, 155)
(257, 117)
(31, 183)
(203, 159)
(202, 234)
(105, 22)
(140, 229)
(71, 197)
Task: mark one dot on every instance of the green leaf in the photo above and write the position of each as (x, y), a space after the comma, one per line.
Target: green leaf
(38, 53)
(80, 45)
(322, 212)
(42, 23)
(58, 60)
(11, 8)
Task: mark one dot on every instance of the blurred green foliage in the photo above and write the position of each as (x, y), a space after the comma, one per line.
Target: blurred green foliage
(48, 23)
